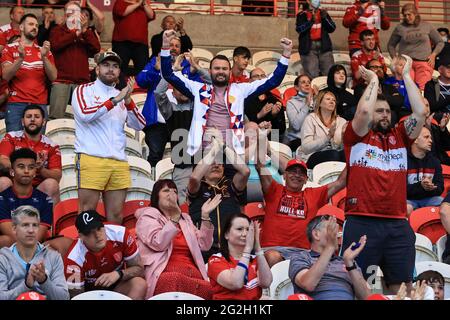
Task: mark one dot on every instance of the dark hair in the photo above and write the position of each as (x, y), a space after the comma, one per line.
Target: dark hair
(23, 153)
(313, 223)
(431, 276)
(28, 15)
(33, 107)
(89, 11)
(219, 57)
(443, 30)
(154, 199)
(14, 38)
(226, 228)
(297, 80)
(14, 8)
(370, 62)
(366, 33)
(381, 97)
(330, 77)
(242, 51)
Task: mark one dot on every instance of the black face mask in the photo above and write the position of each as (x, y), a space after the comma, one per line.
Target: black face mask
(364, 1)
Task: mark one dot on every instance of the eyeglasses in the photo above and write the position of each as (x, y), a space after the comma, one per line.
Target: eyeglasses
(323, 218)
(376, 67)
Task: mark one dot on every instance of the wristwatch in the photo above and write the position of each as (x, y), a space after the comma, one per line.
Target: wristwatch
(113, 101)
(353, 267)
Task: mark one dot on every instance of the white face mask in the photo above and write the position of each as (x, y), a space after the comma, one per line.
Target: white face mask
(315, 4)
(444, 38)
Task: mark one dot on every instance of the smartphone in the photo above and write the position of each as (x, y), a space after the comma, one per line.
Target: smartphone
(355, 246)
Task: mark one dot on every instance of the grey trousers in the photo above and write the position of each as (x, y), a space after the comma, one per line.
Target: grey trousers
(316, 63)
(59, 98)
(181, 179)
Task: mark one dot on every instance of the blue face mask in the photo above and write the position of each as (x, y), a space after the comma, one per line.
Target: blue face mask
(315, 4)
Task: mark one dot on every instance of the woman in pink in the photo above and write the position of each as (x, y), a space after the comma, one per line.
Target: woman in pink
(170, 245)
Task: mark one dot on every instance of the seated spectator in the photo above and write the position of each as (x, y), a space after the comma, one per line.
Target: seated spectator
(289, 208)
(437, 124)
(28, 265)
(323, 275)
(241, 59)
(26, 86)
(266, 107)
(444, 33)
(170, 244)
(425, 182)
(169, 23)
(11, 29)
(434, 280)
(49, 168)
(437, 91)
(96, 260)
(72, 47)
(321, 132)
(415, 38)
(298, 108)
(48, 23)
(390, 93)
(23, 171)
(208, 179)
(235, 273)
(313, 25)
(368, 51)
(337, 84)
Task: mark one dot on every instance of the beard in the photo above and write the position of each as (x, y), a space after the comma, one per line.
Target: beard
(30, 36)
(220, 83)
(33, 132)
(108, 81)
(378, 127)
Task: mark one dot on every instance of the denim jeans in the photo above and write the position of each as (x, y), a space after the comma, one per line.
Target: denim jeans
(426, 202)
(14, 114)
(156, 137)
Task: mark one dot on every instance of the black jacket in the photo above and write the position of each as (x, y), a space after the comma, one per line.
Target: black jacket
(437, 102)
(156, 43)
(441, 143)
(303, 27)
(345, 101)
(416, 167)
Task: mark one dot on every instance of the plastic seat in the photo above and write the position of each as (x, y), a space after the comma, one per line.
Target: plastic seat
(341, 58)
(68, 187)
(264, 56)
(424, 249)
(101, 295)
(139, 98)
(133, 148)
(175, 296)
(327, 172)
(139, 167)
(427, 221)
(141, 189)
(228, 10)
(338, 199)
(288, 94)
(320, 82)
(227, 53)
(68, 164)
(2, 128)
(163, 169)
(255, 210)
(281, 148)
(66, 143)
(60, 127)
(128, 211)
(440, 247)
(159, 7)
(332, 211)
(281, 286)
(440, 267)
(295, 65)
(68, 114)
(287, 82)
(205, 56)
(191, 9)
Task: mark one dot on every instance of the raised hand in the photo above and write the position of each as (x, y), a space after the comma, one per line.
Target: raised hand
(286, 45)
(367, 74)
(130, 86)
(45, 49)
(265, 110)
(213, 134)
(401, 294)
(168, 35)
(193, 61)
(250, 239)
(418, 293)
(257, 245)
(180, 24)
(331, 235)
(276, 108)
(444, 121)
(210, 205)
(407, 67)
(177, 64)
(38, 272)
(332, 130)
(350, 255)
(21, 50)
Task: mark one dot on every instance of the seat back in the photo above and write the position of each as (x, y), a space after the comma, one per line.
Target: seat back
(175, 296)
(281, 287)
(440, 267)
(440, 246)
(101, 295)
(327, 172)
(129, 209)
(424, 249)
(427, 221)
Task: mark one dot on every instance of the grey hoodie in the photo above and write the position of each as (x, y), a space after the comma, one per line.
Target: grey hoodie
(12, 275)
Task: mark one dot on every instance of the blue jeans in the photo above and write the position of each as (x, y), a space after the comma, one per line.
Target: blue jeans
(14, 114)
(427, 202)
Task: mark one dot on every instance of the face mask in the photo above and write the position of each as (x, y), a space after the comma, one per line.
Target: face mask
(315, 3)
(445, 39)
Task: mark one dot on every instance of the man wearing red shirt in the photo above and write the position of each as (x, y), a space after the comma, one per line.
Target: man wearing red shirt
(73, 44)
(49, 169)
(9, 30)
(363, 15)
(289, 209)
(27, 67)
(130, 34)
(241, 58)
(97, 259)
(377, 162)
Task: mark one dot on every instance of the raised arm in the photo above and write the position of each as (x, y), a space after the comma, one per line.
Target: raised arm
(99, 20)
(362, 121)
(243, 172)
(339, 184)
(49, 64)
(265, 177)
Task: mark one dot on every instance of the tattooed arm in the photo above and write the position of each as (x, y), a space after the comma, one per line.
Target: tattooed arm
(362, 121)
(415, 122)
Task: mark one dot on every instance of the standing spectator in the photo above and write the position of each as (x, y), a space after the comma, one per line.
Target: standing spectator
(72, 45)
(437, 91)
(235, 273)
(171, 245)
(265, 107)
(49, 168)
(446, 51)
(101, 112)
(23, 171)
(169, 23)
(434, 280)
(414, 38)
(95, 17)
(48, 23)
(321, 132)
(425, 180)
(105, 256)
(321, 274)
(27, 67)
(314, 25)
(297, 109)
(208, 180)
(376, 156)
(241, 59)
(7, 31)
(27, 264)
(337, 84)
(130, 34)
(368, 52)
(364, 15)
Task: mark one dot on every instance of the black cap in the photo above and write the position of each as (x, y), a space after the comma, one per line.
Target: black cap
(444, 60)
(88, 220)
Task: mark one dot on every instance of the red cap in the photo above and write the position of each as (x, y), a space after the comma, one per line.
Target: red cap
(299, 296)
(377, 296)
(31, 295)
(295, 162)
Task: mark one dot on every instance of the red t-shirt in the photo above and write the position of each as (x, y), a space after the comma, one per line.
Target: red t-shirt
(361, 58)
(82, 267)
(29, 83)
(288, 213)
(243, 78)
(250, 291)
(6, 33)
(376, 178)
(316, 29)
(45, 149)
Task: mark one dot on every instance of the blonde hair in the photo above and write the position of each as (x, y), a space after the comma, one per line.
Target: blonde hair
(413, 8)
(319, 99)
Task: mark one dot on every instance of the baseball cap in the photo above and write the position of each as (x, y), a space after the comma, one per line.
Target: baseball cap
(295, 162)
(31, 295)
(88, 220)
(377, 296)
(444, 59)
(299, 296)
(111, 55)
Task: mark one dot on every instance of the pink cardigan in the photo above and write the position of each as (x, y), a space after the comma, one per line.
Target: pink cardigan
(155, 237)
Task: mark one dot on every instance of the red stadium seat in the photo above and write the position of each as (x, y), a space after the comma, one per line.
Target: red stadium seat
(427, 221)
(333, 211)
(338, 199)
(184, 207)
(255, 210)
(446, 175)
(129, 208)
(289, 93)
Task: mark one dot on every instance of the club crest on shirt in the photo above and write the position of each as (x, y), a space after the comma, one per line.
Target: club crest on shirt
(392, 140)
(292, 207)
